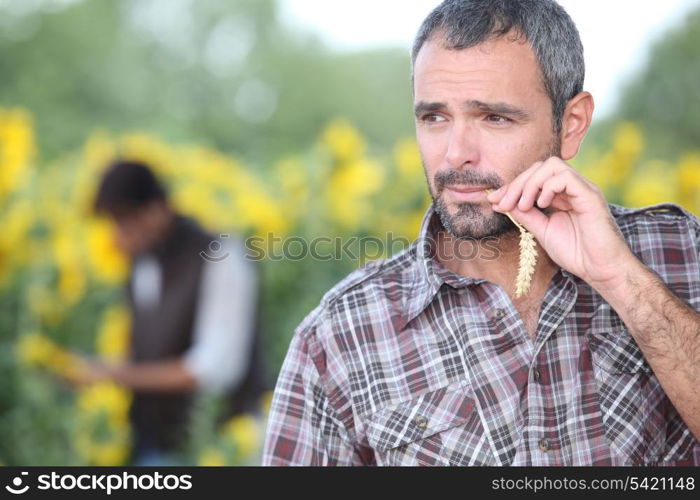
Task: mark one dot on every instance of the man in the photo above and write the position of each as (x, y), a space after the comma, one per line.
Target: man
(193, 301)
(429, 358)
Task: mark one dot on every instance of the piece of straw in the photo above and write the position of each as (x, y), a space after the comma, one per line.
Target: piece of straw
(528, 258)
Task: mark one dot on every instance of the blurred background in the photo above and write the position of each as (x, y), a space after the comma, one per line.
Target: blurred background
(264, 118)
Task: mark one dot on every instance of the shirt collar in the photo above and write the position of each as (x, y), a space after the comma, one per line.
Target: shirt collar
(429, 274)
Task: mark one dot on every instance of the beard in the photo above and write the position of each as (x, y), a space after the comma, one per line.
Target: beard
(470, 221)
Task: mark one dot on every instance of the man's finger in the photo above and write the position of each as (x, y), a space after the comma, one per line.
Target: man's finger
(533, 220)
(512, 190)
(551, 168)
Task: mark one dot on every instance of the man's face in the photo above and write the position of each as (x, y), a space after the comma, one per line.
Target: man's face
(138, 230)
(482, 117)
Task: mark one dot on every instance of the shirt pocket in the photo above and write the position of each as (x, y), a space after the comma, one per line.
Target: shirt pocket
(640, 422)
(441, 427)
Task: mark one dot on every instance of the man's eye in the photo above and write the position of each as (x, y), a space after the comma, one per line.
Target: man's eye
(497, 119)
(432, 118)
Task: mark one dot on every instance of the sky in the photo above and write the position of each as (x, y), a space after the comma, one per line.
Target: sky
(615, 33)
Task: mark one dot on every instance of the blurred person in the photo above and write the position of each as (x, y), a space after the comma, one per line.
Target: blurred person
(431, 357)
(193, 301)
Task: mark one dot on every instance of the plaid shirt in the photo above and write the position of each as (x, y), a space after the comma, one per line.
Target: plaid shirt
(407, 363)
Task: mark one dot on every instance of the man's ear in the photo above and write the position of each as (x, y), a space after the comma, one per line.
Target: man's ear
(575, 124)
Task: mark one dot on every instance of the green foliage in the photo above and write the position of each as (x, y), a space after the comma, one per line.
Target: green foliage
(665, 97)
(227, 74)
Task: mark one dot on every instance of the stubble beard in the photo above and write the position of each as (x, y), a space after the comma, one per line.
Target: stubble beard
(476, 220)
(471, 220)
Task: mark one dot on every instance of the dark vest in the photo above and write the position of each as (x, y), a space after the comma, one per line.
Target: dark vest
(165, 332)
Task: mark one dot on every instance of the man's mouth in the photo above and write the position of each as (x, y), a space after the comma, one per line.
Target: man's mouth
(463, 194)
(466, 189)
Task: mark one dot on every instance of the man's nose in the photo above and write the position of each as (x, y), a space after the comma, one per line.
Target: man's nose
(463, 148)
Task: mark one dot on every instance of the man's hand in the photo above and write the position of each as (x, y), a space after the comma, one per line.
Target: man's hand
(579, 232)
(580, 235)
(90, 371)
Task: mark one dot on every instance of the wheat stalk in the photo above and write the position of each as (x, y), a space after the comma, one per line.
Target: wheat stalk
(528, 258)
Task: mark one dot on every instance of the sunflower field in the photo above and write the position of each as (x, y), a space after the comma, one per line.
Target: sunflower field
(61, 276)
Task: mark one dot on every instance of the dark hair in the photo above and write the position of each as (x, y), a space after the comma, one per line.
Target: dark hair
(127, 186)
(543, 23)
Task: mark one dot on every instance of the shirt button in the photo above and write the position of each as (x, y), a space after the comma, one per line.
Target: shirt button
(545, 445)
(499, 313)
(421, 422)
(536, 375)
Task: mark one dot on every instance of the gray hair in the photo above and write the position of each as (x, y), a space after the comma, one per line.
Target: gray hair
(550, 31)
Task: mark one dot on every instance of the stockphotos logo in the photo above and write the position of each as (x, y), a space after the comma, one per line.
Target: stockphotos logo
(103, 482)
(17, 487)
